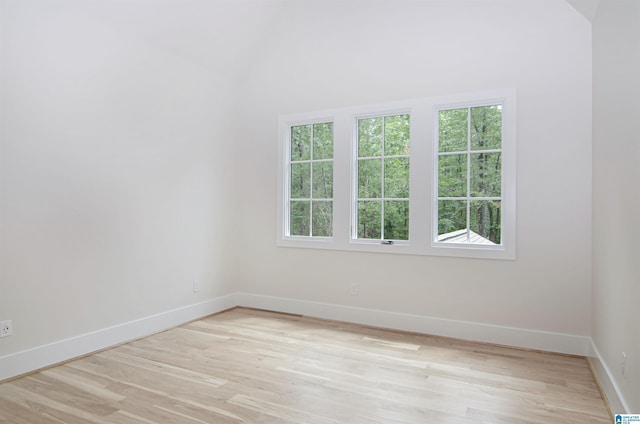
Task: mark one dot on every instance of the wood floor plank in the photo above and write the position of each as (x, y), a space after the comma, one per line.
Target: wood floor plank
(250, 366)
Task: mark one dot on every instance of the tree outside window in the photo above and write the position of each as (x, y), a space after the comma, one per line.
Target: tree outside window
(469, 199)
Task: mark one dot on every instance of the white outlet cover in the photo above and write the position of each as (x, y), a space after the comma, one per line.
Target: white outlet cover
(6, 328)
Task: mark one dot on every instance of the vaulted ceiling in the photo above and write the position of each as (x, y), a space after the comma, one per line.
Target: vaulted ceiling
(221, 35)
(587, 8)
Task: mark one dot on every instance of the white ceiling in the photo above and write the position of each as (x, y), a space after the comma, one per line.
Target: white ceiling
(587, 8)
(222, 35)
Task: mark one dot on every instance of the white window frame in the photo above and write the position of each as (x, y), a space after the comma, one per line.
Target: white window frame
(312, 161)
(354, 179)
(423, 177)
(506, 249)
(286, 183)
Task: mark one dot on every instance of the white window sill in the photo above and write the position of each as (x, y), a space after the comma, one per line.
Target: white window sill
(401, 247)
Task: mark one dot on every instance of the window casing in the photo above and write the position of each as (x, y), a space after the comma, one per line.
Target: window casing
(382, 178)
(310, 180)
(468, 175)
(413, 178)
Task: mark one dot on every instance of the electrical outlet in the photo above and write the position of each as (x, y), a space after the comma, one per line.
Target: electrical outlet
(623, 364)
(196, 286)
(354, 288)
(6, 328)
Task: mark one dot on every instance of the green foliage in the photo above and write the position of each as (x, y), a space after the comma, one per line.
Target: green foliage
(300, 180)
(452, 176)
(378, 139)
(323, 141)
(485, 170)
(311, 218)
(485, 219)
(452, 216)
(486, 174)
(311, 177)
(322, 218)
(370, 178)
(369, 137)
(486, 127)
(299, 224)
(369, 219)
(300, 142)
(453, 130)
(396, 135)
(396, 219)
(396, 178)
(323, 180)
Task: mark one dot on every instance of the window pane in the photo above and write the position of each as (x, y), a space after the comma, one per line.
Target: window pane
(486, 174)
(370, 178)
(486, 127)
(452, 221)
(369, 219)
(452, 130)
(396, 220)
(323, 141)
(452, 176)
(301, 142)
(369, 137)
(484, 221)
(396, 178)
(322, 180)
(299, 218)
(396, 135)
(322, 218)
(300, 180)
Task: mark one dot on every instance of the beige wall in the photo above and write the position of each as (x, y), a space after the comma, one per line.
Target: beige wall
(113, 176)
(333, 54)
(616, 198)
(129, 170)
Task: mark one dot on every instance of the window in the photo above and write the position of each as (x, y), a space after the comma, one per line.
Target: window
(469, 175)
(382, 203)
(431, 176)
(310, 194)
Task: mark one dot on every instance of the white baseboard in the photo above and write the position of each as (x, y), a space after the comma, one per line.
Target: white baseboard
(508, 336)
(607, 382)
(43, 356)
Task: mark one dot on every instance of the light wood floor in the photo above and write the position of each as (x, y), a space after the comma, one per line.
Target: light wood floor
(261, 367)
